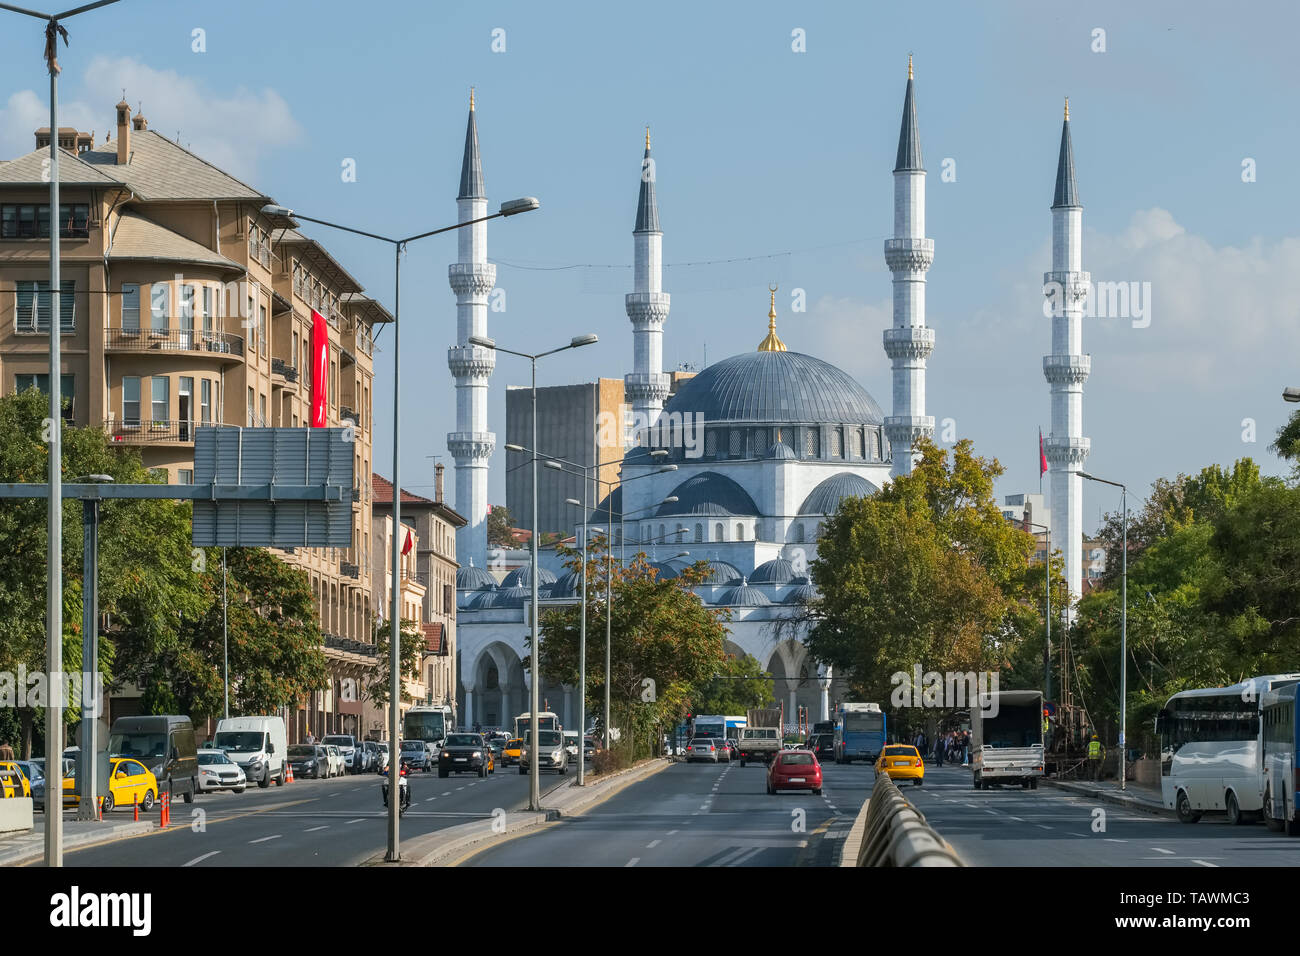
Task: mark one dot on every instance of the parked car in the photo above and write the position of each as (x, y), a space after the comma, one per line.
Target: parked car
(129, 782)
(13, 780)
(465, 753)
(218, 772)
(513, 749)
(381, 756)
(703, 748)
(35, 780)
(415, 753)
(166, 746)
(901, 762)
(551, 753)
(371, 761)
(306, 762)
(257, 745)
(347, 745)
(794, 770)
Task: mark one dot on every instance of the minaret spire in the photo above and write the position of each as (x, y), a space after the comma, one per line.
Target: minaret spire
(773, 342)
(646, 386)
(472, 278)
(908, 255)
(1068, 367)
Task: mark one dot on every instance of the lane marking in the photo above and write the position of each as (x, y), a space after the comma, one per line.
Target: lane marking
(652, 844)
(200, 859)
(1043, 826)
(314, 829)
(264, 839)
(632, 862)
(429, 799)
(1114, 840)
(1203, 863)
(357, 820)
(671, 832)
(1017, 819)
(1161, 850)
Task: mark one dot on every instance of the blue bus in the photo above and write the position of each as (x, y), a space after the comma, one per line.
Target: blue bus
(1281, 759)
(859, 733)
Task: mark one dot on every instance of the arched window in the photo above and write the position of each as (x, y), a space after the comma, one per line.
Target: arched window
(719, 532)
(711, 443)
(740, 532)
(856, 438)
(699, 532)
(798, 533)
(661, 533)
(837, 443)
(736, 444)
(811, 443)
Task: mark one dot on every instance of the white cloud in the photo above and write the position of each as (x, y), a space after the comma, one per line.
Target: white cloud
(233, 131)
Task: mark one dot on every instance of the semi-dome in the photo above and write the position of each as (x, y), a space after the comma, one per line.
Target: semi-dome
(522, 578)
(504, 597)
(800, 595)
(567, 584)
(722, 572)
(825, 498)
(481, 600)
(742, 595)
(711, 494)
(776, 387)
(471, 578)
(601, 515)
(778, 571)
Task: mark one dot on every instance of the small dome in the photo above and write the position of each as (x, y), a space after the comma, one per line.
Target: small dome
(801, 579)
(666, 570)
(481, 599)
(471, 578)
(781, 452)
(567, 585)
(709, 493)
(522, 578)
(801, 594)
(778, 571)
(506, 597)
(826, 497)
(744, 596)
(722, 572)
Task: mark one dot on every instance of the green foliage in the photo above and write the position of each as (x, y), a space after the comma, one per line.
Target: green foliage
(926, 571)
(409, 656)
(741, 684)
(499, 526)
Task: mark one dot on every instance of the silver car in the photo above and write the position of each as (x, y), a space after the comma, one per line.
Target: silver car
(703, 748)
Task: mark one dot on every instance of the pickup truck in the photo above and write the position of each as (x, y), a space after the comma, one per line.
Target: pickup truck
(759, 743)
(1007, 739)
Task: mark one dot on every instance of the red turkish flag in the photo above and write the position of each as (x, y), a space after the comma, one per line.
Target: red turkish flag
(320, 360)
(406, 548)
(1042, 455)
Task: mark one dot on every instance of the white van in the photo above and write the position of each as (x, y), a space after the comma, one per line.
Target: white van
(257, 744)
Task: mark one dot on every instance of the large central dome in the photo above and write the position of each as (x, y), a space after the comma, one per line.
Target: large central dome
(776, 387)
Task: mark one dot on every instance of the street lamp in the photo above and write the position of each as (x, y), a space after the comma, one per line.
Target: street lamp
(87, 768)
(54, 512)
(510, 208)
(534, 765)
(1291, 394)
(1047, 614)
(1123, 621)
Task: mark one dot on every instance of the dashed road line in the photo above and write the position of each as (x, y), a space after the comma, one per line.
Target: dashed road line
(275, 836)
(314, 829)
(200, 859)
(670, 832)
(1162, 850)
(652, 844)
(357, 820)
(632, 862)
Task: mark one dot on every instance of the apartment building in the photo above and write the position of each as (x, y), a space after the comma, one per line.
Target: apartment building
(183, 305)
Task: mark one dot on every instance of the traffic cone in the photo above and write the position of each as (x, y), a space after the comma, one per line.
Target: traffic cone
(101, 809)
(288, 775)
(135, 807)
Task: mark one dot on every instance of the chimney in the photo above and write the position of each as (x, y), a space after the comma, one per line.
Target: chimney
(437, 482)
(123, 132)
(139, 122)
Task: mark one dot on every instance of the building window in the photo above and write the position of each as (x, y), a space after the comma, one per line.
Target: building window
(187, 316)
(131, 400)
(856, 438)
(42, 382)
(30, 221)
(205, 401)
(760, 441)
(262, 407)
(719, 532)
(798, 533)
(207, 310)
(130, 307)
(699, 534)
(879, 449)
(160, 399)
(711, 443)
(185, 476)
(812, 443)
(837, 443)
(261, 328)
(159, 306)
(32, 311)
(740, 532)
(252, 406)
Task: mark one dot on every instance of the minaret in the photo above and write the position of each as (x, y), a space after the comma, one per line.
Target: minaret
(1067, 368)
(908, 256)
(472, 278)
(646, 386)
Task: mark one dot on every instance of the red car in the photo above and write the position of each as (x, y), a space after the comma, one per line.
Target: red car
(794, 770)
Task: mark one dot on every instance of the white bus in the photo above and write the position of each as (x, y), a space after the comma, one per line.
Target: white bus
(545, 721)
(1211, 749)
(1281, 759)
(431, 724)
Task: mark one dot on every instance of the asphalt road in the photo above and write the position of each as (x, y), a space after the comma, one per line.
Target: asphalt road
(338, 822)
(699, 815)
(1048, 827)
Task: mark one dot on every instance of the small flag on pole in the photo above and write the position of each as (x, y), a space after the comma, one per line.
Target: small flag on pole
(1042, 455)
(406, 548)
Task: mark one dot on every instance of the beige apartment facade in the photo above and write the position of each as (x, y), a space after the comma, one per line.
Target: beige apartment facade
(183, 305)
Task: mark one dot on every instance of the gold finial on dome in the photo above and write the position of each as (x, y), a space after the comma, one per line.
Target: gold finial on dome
(1067, 108)
(471, 99)
(647, 136)
(909, 66)
(773, 342)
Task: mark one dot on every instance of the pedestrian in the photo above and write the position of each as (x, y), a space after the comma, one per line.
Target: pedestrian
(6, 751)
(938, 750)
(1095, 752)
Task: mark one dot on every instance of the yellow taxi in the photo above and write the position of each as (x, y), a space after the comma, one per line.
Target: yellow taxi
(129, 781)
(513, 751)
(901, 762)
(13, 782)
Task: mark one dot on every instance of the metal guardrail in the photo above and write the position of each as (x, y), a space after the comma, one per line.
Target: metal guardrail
(896, 833)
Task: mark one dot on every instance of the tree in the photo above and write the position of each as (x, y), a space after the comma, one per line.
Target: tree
(664, 640)
(739, 684)
(500, 526)
(410, 656)
(925, 572)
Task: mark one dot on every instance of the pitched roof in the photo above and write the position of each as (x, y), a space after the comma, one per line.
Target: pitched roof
(30, 170)
(909, 136)
(1067, 190)
(159, 169)
(140, 239)
(471, 165)
(647, 204)
(383, 489)
(433, 637)
(319, 257)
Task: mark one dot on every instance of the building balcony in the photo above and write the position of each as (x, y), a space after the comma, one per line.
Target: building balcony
(282, 368)
(148, 432)
(174, 340)
(349, 570)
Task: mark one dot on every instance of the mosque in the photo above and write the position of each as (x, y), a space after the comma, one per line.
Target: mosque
(780, 437)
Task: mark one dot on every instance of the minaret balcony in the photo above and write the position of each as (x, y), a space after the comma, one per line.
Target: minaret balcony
(909, 255)
(1067, 369)
(647, 310)
(1067, 453)
(471, 361)
(912, 342)
(1069, 288)
(471, 447)
(640, 387)
(472, 278)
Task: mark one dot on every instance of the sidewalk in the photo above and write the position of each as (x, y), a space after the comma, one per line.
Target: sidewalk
(29, 846)
(1134, 797)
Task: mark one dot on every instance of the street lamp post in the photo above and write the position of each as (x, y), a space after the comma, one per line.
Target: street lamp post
(511, 208)
(54, 513)
(534, 743)
(582, 644)
(1047, 614)
(1123, 622)
(91, 701)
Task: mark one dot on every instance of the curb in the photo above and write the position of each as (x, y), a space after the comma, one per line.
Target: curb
(36, 850)
(1108, 796)
(852, 844)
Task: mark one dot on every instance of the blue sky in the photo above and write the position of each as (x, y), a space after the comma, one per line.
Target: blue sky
(780, 156)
